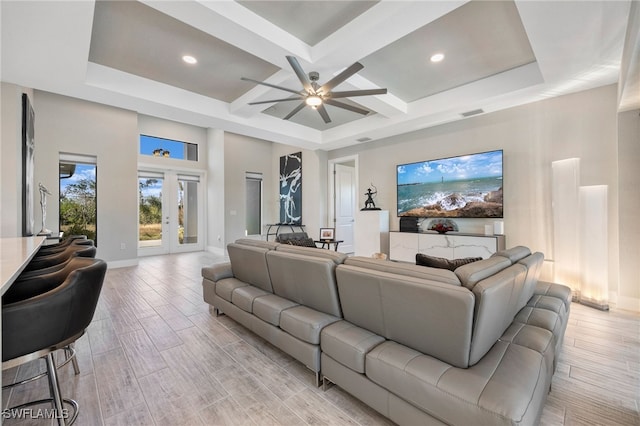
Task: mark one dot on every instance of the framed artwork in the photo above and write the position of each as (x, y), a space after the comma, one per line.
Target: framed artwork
(291, 189)
(327, 233)
(28, 118)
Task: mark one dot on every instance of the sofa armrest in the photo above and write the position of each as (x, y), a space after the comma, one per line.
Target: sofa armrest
(217, 272)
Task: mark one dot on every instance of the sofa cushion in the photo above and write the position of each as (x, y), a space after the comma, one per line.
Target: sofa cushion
(398, 308)
(442, 263)
(559, 291)
(268, 308)
(305, 323)
(533, 263)
(496, 298)
(217, 272)
(244, 297)
(441, 275)
(514, 254)
(507, 387)
(536, 338)
(348, 344)
(249, 264)
(225, 287)
(542, 318)
(305, 280)
(471, 273)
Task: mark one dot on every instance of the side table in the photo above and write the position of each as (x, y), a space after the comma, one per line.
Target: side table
(327, 243)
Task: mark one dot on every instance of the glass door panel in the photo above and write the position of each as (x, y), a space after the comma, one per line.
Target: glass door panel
(150, 208)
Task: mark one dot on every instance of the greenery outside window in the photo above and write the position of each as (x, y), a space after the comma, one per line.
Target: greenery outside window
(78, 195)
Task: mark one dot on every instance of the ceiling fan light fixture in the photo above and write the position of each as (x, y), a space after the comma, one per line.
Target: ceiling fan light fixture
(437, 57)
(313, 101)
(189, 59)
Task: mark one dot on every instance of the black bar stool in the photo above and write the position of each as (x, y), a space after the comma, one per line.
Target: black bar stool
(45, 261)
(73, 239)
(38, 326)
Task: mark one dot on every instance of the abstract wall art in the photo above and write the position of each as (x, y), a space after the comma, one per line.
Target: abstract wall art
(28, 117)
(291, 189)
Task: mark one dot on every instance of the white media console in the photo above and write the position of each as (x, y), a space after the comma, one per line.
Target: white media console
(403, 246)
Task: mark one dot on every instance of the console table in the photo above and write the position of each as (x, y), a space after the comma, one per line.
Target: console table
(403, 246)
(291, 226)
(15, 254)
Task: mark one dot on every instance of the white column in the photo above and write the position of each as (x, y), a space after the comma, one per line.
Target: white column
(594, 252)
(565, 181)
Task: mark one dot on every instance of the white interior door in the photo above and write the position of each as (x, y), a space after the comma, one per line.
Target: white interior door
(345, 205)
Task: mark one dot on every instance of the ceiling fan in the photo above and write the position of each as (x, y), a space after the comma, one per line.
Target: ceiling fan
(317, 96)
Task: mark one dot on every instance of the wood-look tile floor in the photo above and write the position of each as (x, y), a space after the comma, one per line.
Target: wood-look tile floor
(156, 355)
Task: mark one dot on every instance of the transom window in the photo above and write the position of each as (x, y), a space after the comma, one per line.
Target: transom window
(168, 148)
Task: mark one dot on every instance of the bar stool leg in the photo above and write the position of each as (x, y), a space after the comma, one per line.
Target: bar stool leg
(54, 387)
(74, 359)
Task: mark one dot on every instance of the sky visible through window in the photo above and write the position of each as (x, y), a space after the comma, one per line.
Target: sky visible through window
(149, 143)
(83, 171)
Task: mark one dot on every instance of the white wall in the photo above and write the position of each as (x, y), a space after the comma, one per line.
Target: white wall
(245, 154)
(74, 126)
(532, 136)
(628, 160)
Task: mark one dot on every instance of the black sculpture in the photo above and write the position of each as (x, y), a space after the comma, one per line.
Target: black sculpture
(369, 204)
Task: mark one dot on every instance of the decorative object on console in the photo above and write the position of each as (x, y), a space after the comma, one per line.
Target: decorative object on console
(442, 263)
(464, 186)
(327, 233)
(291, 189)
(442, 226)
(43, 205)
(369, 204)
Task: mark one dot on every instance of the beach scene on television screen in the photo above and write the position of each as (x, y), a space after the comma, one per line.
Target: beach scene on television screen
(465, 186)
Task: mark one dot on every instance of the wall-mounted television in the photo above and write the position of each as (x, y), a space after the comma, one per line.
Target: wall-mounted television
(467, 186)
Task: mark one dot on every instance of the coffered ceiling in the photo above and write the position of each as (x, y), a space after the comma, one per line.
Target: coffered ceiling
(497, 54)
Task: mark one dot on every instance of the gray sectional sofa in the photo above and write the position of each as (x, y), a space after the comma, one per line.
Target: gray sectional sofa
(421, 345)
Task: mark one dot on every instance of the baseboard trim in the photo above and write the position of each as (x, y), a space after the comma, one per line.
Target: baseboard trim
(114, 264)
(628, 303)
(216, 250)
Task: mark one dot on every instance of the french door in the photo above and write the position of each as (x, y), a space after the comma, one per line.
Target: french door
(170, 212)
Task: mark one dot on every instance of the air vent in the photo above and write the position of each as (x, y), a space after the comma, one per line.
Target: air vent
(472, 112)
(365, 139)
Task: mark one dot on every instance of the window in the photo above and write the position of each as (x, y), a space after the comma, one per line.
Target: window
(168, 148)
(254, 203)
(188, 209)
(78, 196)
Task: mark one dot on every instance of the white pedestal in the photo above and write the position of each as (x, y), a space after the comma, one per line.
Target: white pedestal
(371, 232)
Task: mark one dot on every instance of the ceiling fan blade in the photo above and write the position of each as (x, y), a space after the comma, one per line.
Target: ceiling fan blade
(297, 92)
(351, 93)
(324, 114)
(275, 100)
(326, 88)
(295, 111)
(346, 106)
(302, 76)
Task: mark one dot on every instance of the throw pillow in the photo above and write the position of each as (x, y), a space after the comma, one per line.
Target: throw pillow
(303, 242)
(442, 263)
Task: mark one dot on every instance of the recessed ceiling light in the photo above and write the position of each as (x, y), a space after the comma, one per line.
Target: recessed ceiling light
(189, 59)
(437, 57)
